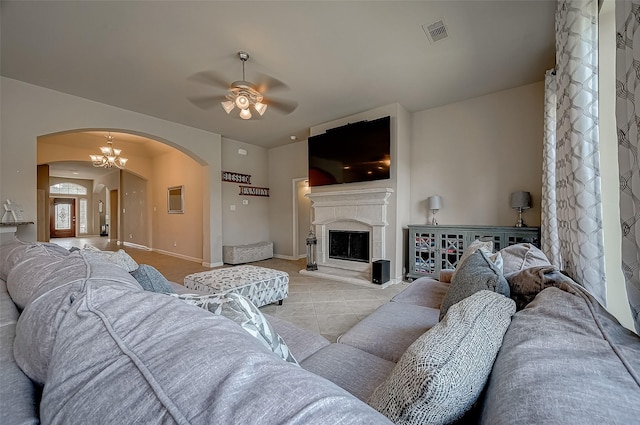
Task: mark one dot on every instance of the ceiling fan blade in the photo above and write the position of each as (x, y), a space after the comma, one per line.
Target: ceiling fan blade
(211, 78)
(207, 102)
(265, 83)
(284, 106)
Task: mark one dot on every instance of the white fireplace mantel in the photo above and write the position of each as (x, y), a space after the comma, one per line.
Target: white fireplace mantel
(356, 210)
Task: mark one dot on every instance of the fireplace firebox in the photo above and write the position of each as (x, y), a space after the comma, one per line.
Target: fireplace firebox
(349, 245)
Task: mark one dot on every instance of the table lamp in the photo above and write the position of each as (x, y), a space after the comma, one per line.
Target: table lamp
(520, 201)
(434, 204)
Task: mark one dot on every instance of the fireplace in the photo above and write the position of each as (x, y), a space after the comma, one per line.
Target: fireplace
(349, 245)
(350, 227)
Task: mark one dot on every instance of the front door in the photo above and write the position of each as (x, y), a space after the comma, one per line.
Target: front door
(63, 217)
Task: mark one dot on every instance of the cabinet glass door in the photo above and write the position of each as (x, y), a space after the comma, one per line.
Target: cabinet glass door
(425, 253)
(451, 249)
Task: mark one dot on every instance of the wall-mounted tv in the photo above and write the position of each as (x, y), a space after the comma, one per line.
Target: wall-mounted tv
(355, 152)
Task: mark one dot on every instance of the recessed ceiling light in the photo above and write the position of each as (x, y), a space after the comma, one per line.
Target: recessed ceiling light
(75, 173)
(293, 137)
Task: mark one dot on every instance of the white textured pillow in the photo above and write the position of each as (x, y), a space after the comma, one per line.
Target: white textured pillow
(522, 256)
(443, 372)
(242, 311)
(120, 258)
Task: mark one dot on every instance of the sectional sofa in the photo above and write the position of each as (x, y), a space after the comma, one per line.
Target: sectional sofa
(81, 341)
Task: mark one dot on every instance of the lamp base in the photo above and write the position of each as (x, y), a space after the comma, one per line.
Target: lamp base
(434, 222)
(520, 223)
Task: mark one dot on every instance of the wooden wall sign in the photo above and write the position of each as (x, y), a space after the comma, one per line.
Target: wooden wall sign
(228, 176)
(253, 191)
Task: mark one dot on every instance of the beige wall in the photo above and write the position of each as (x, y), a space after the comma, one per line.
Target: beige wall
(134, 202)
(180, 235)
(476, 152)
(248, 223)
(285, 164)
(29, 111)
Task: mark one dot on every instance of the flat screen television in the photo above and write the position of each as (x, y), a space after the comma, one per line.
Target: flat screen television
(352, 153)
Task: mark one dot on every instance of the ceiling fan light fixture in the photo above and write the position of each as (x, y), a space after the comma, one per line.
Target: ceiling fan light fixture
(228, 106)
(242, 101)
(260, 108)
(245, 114)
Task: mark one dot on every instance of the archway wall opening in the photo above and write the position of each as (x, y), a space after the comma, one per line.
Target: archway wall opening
(28, 112)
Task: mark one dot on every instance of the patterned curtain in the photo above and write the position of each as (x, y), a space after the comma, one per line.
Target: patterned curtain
(549, 233)
(627, 89)
(578, 244)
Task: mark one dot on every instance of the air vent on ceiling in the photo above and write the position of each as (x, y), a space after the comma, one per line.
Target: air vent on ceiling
(436, 31)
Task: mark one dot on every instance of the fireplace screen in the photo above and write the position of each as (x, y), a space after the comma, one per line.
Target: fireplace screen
(347, 245)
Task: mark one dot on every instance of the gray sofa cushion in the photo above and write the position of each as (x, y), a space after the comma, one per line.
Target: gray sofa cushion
(425, 292)
(350, 368)
(18, 404)
(390, 329)
(301, 342)
(151, 358)
(441, 375)
(32, 270)
(50, 300)
(476, 273)
(565, 359)
(11, 253)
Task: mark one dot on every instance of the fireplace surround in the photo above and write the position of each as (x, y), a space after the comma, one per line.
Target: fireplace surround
(360, 212)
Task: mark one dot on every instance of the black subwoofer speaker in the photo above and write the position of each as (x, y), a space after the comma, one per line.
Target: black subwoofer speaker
(380, 272)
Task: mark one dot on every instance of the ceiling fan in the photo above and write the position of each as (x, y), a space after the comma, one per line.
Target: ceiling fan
(242, 94)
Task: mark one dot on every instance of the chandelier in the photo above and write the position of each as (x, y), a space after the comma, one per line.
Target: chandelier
(243, 94)
(110, 156)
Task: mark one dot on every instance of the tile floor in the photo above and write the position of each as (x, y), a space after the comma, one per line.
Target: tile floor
(320, 305)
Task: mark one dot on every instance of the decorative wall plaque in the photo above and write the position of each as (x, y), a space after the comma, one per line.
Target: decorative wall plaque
(253, 191)
(229, 176)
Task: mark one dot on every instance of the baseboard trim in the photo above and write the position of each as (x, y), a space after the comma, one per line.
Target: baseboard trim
(285, 257)
(183, 257)
(204, 264)
(135, 245)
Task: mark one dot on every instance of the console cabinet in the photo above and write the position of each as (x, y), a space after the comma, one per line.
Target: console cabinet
(434, 248)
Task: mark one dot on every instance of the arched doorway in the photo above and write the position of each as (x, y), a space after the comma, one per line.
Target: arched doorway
(133, 199)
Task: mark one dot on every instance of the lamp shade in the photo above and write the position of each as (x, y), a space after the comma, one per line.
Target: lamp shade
(434, 202)
(521, 200)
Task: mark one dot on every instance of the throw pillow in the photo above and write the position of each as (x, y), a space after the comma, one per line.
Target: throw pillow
(443, 372)
(522, 256)
(477, 272)
(487, 246)
(151, 279)
(526, 284)
(120, 258)
(242, 311)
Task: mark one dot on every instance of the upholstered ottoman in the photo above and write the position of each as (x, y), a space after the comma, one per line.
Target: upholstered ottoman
(261, 285)
(239, 254)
